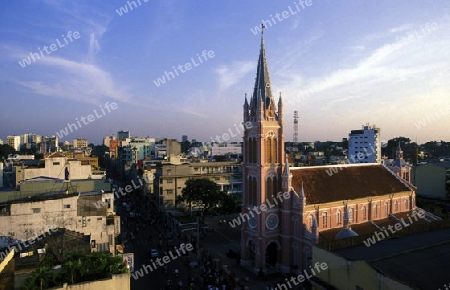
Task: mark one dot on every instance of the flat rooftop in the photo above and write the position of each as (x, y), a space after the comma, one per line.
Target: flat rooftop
(420, 260)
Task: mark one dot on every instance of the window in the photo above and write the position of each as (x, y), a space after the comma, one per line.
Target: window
(351, 214)
(67, 206)
(338, 217)
(324, 220)
(252, 150)
(169, 191)
(375, 211)
(169, 180)
(216, 178)
(99, 219)
(406, 204)
(169, 171)
(296, 226)
(271, 149)
(386, 209)
(252, 190)
(36, 210)
(364, 212)
(56, 163)
(396, 206)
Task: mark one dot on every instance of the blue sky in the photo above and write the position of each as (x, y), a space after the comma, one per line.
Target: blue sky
(339, 63)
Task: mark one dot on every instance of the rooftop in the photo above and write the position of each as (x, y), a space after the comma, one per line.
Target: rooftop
(346, 182)
(420, 260)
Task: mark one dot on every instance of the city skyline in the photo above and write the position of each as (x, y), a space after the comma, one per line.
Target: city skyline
(182, 68)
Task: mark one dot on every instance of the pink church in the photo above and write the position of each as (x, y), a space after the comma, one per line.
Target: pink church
(287, 210)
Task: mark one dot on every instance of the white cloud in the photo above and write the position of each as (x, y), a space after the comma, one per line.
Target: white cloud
(76, 81)
(404, 27)
(229, 75)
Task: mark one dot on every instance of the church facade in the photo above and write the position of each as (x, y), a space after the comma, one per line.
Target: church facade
(285, 209)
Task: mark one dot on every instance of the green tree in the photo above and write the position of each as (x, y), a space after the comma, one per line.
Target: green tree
(202, 193)
(40, 279)
(227, 203)
(5, 151)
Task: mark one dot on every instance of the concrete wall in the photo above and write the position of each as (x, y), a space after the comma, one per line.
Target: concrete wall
(27, 220)
(117, 282)
(343, 274)
(32, 188)
(87, 185)
(55, 167)
(430, 180)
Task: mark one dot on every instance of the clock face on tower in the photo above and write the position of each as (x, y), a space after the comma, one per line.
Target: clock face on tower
(272, 222)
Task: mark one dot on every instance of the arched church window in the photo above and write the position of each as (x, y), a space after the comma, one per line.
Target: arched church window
(324, 220)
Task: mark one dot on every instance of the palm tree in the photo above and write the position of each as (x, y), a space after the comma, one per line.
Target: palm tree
(40, 279)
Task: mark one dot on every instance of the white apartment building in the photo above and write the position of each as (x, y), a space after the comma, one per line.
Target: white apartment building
(88, 213)
(107, 140)
(364, 145)
(80, 143)
(14, 142)
(55, 166)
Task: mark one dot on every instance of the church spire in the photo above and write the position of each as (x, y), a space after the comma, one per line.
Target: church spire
(262, 82)
(399, 153)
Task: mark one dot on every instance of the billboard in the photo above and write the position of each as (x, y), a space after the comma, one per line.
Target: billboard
(128, 258)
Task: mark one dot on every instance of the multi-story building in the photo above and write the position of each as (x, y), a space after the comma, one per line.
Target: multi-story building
(80, 143)
(131, 150)
(14, 142)
(226, 148)
(89, 213)
(57, 166)
(107, 140)
(123, 135)
(114, 148)
(49, 144)
(286, 210)
(170, 178)
(364, 146)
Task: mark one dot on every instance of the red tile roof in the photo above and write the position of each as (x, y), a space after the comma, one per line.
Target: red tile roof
(347, 183)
